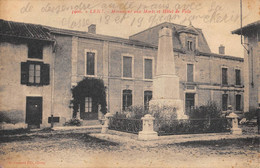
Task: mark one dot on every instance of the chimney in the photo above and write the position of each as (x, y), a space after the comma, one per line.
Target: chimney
(221, 49)
(92, 29)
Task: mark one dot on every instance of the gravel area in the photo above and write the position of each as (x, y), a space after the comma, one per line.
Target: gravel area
(81, 150)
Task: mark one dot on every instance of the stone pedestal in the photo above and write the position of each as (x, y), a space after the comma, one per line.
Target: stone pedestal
(234, 129)
(106, 123)
(165, 82)
(147, 133)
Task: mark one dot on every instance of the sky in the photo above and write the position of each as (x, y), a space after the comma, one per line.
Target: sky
(123, 18)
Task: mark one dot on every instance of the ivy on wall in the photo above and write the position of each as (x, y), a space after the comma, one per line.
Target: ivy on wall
(89, 87)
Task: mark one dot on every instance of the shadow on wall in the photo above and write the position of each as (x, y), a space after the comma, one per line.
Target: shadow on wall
(12, 116)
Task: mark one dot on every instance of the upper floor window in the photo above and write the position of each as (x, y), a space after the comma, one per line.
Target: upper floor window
(224, 76)
(35, 50)
(147, 98)
(127, 66)
(90, 63)
(127, 99)
(190, 73)
(148, 68)
(238, 77)
(35, 73)
(190, 45)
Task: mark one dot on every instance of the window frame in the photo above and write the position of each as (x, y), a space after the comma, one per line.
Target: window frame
(122, 97)
(223, 102)
(90, 101)
(151, 58)
(122, 66)
(240, 81)
(34, 83)
(193, 69)
(225, 84)
(240, 103)
(31, 45)
(95, 62)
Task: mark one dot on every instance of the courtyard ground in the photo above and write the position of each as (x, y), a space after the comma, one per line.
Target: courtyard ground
(80, 150)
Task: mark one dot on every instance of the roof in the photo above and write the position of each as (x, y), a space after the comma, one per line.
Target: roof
(151, 35)
(99, 37)
(24, 30)
(248, 28)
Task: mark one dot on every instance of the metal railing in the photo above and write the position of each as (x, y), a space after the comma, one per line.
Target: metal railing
(125, 125)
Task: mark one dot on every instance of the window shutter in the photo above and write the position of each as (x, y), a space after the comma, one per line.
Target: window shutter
(24, 73)
(45, 74)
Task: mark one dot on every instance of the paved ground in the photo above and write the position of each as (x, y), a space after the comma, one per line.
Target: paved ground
(81, 150)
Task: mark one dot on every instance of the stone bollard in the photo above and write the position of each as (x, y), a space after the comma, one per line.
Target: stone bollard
(234, 129)
(106, 123)
(147, 133)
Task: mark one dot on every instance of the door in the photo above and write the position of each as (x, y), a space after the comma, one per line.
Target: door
(34, 111)
(89, 109)
(189, 102)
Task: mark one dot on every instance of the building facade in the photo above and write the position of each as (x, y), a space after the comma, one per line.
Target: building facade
(251, 33)
(127, 67)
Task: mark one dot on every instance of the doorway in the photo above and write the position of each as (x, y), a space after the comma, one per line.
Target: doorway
(33, 112)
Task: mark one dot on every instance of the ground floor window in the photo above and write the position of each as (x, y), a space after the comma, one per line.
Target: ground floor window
(127, 99)
(189, 102)
(224, 102)
(238, 102)
(147, 98)
(88, 104)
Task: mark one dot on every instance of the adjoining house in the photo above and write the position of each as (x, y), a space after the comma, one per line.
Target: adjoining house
(126, 66)
(251, 33)
(26, 64)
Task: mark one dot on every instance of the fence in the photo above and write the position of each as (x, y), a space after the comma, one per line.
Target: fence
(191, 126)
(125, 125)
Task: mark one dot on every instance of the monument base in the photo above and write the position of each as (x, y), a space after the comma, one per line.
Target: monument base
(172, 103)
(146, 136)
(236, 131)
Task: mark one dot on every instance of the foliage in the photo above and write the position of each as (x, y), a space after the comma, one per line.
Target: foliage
(11, 116)
(252, 114)
(210, 110)
(73, 122)
(89, 87)
(125, 125)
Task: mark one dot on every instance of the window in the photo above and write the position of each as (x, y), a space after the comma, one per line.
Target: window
(238, 102)
(148, 69)
(127, 99)
(190, 45)
(90, 63)
(35, 73)
(147, 98)
(127, 67)
(224, 102)
(189, 103)
(88, 104)
(224, 76)
(35, 50)
(238, 77)
(190, 76)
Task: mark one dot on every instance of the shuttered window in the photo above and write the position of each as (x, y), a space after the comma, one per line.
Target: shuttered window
(35, 73)
(224, 76)
(238, 77)
(224, 102)
(90, 67)
(190, 73)
(127, 67)
(238, 102)
(148, 68)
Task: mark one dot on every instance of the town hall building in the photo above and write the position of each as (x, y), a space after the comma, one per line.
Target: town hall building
(41, 64)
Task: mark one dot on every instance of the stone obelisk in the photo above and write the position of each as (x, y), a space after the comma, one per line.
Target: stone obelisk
(166, 82)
